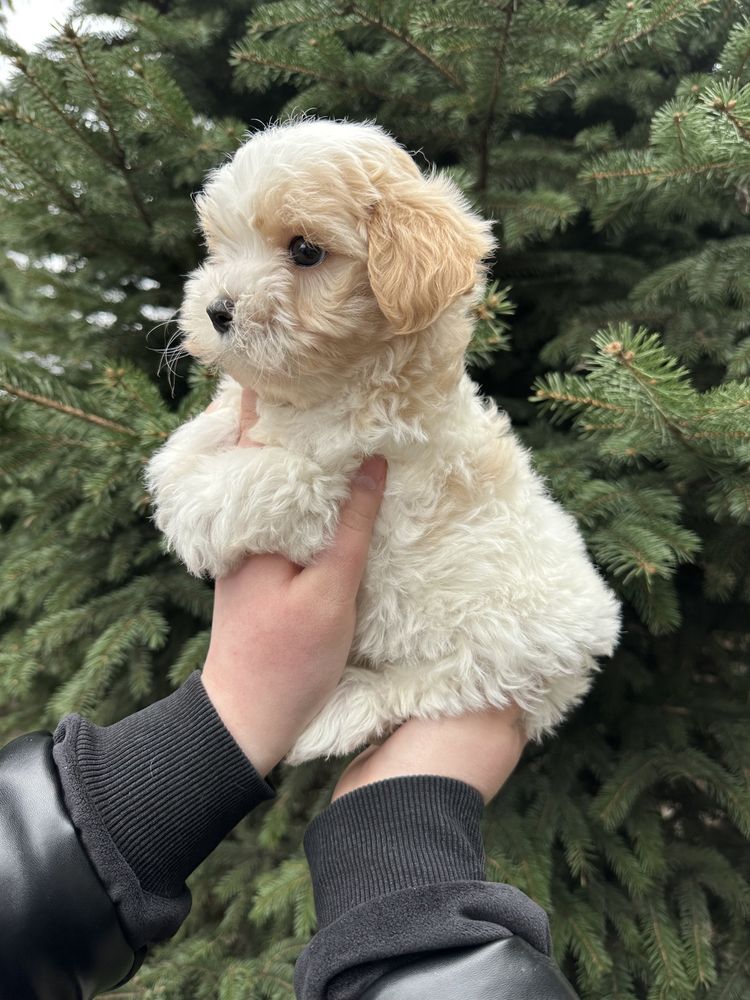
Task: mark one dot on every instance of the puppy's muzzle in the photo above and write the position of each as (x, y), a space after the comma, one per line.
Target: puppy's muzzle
(221, 312)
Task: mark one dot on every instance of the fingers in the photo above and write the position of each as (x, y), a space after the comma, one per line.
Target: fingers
(248, 419)
(338, 570)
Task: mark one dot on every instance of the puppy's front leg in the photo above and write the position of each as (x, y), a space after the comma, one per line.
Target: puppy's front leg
(243, 500)
(216, 428)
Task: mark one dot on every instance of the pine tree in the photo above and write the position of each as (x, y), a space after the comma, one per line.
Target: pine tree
(610, 141)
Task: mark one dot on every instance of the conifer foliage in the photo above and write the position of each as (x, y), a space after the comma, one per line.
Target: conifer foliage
(610, 142)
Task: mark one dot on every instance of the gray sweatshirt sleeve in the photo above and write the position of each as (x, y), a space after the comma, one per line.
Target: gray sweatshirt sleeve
(398, 872)
(151, 797)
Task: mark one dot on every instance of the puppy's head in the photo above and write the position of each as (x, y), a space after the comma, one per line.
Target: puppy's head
(325, 241)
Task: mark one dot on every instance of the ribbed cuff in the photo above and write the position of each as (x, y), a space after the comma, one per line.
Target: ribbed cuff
(401, 833)
(168, 783)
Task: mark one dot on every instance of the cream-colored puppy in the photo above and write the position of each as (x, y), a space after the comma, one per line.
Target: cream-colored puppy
(339, 286)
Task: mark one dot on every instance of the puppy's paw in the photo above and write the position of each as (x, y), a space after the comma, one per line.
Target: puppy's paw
(210, 432)
(226, 505)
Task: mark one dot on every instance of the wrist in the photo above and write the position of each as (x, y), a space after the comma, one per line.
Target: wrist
(478, 748)
(254, 731)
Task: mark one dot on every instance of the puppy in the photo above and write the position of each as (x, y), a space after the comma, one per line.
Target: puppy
(339, 285)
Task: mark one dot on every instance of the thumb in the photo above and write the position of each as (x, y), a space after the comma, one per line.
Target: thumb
(338, 569)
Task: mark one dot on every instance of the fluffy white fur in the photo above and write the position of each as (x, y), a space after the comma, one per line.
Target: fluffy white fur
(478, 588)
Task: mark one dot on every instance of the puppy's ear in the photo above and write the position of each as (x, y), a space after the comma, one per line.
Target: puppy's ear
(425, 247)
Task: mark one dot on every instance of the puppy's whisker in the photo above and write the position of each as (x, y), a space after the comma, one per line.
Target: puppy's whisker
(170, 356)
(169, 351)
(175, 336)
(158, 326)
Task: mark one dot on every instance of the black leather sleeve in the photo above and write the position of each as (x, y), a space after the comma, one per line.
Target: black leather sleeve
(502, 970)
(60, 938)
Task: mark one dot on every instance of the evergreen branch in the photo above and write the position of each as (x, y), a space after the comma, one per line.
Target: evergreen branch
(70, 203)
(55, 441)
(254, 57)
(584, 941)
(80, 134)
(137, 106)
(614, 802)
(714, 410)
(245, 55)
(740, 435)
(71, 411)
(409, 43)
(600, 499)
(741, 68)
(29, 122)
(258, 27)
(677, 118)
(626, 359)
(665, 949)
(438, 26)
(120, 157)
(287, 984)
(563, 397)
(700, 168)
(738, 970)
(704, 967)
(668, 16)
(484, 136)
(728, 111)
(528, 204)
(65, 196)
(601, 426)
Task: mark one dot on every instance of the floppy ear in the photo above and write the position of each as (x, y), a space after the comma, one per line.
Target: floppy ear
(425, 247)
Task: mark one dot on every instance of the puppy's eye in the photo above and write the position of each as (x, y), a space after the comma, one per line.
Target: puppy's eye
(305, 254)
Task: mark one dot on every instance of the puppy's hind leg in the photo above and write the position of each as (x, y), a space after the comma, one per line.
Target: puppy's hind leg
(353, 717)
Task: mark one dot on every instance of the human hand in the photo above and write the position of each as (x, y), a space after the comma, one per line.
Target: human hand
(281, 634)
(481, 748)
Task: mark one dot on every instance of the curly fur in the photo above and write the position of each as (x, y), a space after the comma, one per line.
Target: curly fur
(478, 588)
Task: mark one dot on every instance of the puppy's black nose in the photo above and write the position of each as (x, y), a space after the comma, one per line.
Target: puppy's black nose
(220, 312)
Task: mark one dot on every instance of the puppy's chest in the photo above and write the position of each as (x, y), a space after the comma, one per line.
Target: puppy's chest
(321, 440)
(440, 481)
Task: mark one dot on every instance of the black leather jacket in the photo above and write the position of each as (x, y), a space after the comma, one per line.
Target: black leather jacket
(502, 970)
(59, 934)
(60, 938)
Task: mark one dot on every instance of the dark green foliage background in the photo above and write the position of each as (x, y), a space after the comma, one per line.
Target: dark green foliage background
(610, 141)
